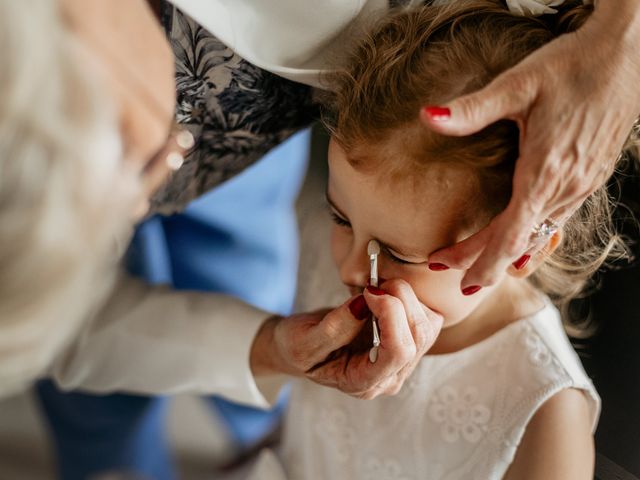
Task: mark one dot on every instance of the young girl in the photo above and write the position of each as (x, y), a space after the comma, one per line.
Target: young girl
(501, 394)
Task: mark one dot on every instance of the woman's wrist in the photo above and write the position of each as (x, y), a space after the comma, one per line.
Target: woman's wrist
(620, 19)
(263, 357)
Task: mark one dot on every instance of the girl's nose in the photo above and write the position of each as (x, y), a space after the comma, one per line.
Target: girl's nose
(354, 269)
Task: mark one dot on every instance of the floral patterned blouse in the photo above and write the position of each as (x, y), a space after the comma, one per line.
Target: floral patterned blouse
(236, 111)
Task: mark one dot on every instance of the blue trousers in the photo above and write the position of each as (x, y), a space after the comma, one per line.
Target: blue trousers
(239, 239)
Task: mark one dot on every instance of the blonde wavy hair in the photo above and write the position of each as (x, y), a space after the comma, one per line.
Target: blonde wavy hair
(65, 199)
(431, 54)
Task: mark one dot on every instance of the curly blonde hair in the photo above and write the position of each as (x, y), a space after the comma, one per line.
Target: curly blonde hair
(431, 54)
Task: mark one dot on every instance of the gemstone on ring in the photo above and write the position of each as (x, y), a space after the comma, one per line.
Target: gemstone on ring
(545, 229)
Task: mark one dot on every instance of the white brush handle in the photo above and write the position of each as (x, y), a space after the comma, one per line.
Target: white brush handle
(373, 281)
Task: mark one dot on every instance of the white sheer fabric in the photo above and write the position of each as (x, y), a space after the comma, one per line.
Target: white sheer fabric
(460, 415)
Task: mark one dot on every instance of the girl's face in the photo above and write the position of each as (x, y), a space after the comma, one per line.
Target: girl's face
(409, 223)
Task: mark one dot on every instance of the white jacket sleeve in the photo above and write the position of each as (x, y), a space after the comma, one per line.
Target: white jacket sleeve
(296, 39)
(154, 340)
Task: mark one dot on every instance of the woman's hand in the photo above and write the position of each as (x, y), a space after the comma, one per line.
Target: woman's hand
(332, 347)
(575, 101)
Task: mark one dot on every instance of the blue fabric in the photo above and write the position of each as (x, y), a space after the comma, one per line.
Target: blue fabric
(240, 239)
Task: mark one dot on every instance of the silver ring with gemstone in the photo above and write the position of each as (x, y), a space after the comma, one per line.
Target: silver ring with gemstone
(543, 230)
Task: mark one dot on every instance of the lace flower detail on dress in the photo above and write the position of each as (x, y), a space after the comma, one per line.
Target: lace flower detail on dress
(459, 414)
(331, 426)
(537, 352)
(376, 469)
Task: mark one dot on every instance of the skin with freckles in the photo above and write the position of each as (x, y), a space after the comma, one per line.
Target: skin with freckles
(410, 223)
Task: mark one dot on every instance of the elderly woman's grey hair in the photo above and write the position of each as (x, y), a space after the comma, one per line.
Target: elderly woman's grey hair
(65, 198)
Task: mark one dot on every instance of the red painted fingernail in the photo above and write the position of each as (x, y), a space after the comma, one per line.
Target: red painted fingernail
(438, 267)
(376, 291)
(471, 290)
(521, 262)
(359, 308)
(438, 113)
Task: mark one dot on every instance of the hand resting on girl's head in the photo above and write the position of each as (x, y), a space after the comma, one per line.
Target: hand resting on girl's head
(575, 101)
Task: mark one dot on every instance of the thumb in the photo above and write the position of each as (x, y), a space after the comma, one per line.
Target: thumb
(504, 97)
(339, 327)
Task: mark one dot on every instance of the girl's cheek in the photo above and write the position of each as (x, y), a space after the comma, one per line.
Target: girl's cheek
(439, 291)
(339, 244)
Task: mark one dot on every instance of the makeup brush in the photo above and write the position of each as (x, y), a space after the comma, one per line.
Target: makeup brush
(373, 250)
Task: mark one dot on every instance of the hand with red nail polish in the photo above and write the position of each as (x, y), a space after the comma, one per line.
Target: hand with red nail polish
(571, 133)
(407, 330)
(471, 290)
(438, 267)
(296, 344)
(521, 262)
(437, 114)
(359, 309)
(375, 290)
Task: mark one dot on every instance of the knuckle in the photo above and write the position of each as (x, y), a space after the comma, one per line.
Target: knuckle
(456, 258)
(330, 327)
(512, 246)
(397, 287)
(517, 88)
(470, 107)
(408, 352)
(516, 82)
(390, 304)
(394, 389)
(425, 335)
(486, 280)
(574, 188)
(368, 395)
(542, 186)
(298, 355)
(432, 332)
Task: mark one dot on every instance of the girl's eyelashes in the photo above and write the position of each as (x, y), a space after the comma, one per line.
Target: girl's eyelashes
(343, 222)
(339, 220)
(395, 259)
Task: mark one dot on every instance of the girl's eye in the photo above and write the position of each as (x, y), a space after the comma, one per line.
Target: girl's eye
(399, 260)
(395, 259)
(339, 220)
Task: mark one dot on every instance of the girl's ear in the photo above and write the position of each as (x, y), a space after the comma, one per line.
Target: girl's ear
(537, 258)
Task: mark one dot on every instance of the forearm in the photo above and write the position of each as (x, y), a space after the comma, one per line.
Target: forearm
(153, 340)
(262, 358)
(620, 19)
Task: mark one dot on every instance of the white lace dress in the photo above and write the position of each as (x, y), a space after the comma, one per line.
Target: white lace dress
(460, 415)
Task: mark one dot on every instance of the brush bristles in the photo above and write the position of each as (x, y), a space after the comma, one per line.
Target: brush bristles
(373, 248)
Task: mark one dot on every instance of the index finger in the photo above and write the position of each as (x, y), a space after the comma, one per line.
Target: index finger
(505, 97)
(336, 329)
(397, 344)
(508, 237)
(355, 374)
